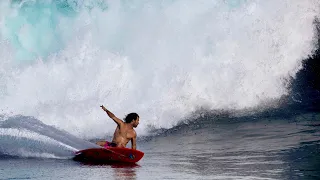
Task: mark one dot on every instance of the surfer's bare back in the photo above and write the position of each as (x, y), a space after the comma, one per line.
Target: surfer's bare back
(124, 131)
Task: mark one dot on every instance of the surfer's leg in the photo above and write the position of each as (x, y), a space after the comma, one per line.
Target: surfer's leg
(101, 143)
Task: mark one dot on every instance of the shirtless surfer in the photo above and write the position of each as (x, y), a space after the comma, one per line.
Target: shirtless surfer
(124, 131)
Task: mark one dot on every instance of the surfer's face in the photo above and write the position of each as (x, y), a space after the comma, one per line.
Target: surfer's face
(136, 122)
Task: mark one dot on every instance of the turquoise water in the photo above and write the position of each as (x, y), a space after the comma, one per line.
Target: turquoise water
(37, 29)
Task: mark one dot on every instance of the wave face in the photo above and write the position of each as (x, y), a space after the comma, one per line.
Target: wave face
(61, 59)
(305, 88)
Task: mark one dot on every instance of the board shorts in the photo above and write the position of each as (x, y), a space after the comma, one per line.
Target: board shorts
(110, 144)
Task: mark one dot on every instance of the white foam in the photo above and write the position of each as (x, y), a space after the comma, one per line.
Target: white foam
(162, 60)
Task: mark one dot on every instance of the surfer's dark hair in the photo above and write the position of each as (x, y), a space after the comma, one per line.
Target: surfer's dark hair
(130, 117)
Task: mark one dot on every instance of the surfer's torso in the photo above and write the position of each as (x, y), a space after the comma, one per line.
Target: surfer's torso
(123, 135)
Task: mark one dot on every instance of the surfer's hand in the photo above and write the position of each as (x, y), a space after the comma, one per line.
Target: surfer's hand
(103, 108)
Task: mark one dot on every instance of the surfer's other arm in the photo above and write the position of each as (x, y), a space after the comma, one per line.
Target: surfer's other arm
(112, 116)
(134, 141)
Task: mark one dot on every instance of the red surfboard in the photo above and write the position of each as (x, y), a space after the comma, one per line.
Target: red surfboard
(111, 154)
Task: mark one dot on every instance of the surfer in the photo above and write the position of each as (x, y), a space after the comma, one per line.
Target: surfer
(124, 131)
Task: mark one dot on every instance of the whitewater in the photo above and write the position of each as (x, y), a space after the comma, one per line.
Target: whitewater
(60, 60)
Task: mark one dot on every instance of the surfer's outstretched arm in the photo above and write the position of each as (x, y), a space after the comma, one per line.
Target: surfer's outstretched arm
(112, 116)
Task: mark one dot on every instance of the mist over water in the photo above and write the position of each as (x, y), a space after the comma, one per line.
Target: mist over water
(164, 60)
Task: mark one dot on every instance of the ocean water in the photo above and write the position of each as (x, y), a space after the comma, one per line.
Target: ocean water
(225, 89)
(246, 148)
